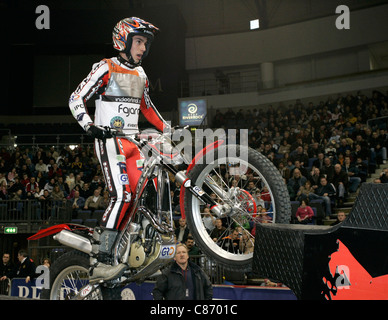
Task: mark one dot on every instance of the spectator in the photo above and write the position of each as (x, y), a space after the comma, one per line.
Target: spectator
(340, 181)
(3, 179)
(331, 150)
(231, 243)
(12, 175)
(70, 181)
(325, 192)
(304, 191)
(219, 231)
(25, 268)
(384, 176)
(296, 181)
(328, 169)
(251, 188)
(105, 199)
(183, 280)
(247, 243)
(55, 171)
(41, 167)
(76, 165)
(182, 232)
(32, 186)
(85, 191)
(57, 194)
(96, 182)
(284, 171)
(258, 200)
(314, 150)
(284, 147)
(25, 180)
(352, 171)
(340, 218)
(77, 202)
(300, 155)
(192, 248)
(17, 195)
(208, 220)
(265, 195)
(78, 179)
(94, 202)
(45, 201)
(305, 213)
(362, 169)
(49, 186)
(3, 191)
(319, 162)
(6, 268)
(315, 177)
(63, 186)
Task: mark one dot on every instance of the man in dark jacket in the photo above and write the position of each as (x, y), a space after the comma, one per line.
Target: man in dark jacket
(340, 181)
(25, 268)
(183, 280)
(6, 267)
(325, 192)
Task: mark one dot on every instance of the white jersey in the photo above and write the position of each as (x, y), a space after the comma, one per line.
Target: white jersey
(123, 94)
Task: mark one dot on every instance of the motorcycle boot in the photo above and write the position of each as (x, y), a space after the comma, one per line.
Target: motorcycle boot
(102, 268)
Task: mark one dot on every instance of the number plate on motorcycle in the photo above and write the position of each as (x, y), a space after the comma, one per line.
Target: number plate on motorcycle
(167, 251)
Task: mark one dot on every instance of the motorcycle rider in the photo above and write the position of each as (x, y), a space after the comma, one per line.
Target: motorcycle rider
(122, 88)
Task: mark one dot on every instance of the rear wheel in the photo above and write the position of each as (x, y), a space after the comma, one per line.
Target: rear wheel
(226, 179)
(68, 274)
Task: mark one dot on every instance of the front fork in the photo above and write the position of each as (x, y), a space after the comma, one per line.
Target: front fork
(218, 209)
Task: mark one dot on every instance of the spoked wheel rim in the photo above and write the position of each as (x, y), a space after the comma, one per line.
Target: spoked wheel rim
(68, 283)
(244, 205)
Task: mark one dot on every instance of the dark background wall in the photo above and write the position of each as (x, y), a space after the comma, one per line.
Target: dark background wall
(41, 68)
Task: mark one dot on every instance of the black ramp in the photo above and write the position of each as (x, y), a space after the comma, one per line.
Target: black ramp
(347, 261)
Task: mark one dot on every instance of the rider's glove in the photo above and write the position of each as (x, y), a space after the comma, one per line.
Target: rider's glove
(97, 133)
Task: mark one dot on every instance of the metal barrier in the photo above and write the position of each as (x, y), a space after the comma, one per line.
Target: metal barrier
(34, 211)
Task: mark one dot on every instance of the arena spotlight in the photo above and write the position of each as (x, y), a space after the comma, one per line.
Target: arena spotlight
(255, 24)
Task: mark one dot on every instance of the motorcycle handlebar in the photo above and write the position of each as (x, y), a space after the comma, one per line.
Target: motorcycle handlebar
(143, 135)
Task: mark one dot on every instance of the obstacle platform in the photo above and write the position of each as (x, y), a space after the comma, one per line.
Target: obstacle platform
(348, 261)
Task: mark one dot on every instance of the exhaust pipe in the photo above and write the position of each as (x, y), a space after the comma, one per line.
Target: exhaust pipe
(73, 240)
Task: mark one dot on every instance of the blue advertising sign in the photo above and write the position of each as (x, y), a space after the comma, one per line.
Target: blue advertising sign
(192, 112)
(20, 288)
(133, 291)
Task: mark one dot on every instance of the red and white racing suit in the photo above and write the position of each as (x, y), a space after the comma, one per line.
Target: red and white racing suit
(123, 94)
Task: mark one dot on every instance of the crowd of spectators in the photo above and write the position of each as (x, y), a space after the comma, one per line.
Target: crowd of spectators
(53, 178)
(322, 151)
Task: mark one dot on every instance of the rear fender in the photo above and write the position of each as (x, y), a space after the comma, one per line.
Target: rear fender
(195, 160)
(56, 229)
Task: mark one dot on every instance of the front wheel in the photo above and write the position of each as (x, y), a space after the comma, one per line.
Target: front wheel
(246, 182)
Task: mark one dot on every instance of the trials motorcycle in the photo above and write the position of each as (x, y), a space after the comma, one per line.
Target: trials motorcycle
(146, 242)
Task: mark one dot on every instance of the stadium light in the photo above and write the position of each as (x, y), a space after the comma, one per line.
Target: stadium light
(255, 24)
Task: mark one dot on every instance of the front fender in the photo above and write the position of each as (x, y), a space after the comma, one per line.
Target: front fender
(198, 156)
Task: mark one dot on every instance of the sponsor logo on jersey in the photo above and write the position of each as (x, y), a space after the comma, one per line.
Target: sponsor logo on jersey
(117, 122)
(140, 164)
(123, 179)
(80, 116)
(128, 110)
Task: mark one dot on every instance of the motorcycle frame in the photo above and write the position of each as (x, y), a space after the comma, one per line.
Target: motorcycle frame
(160, 163)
